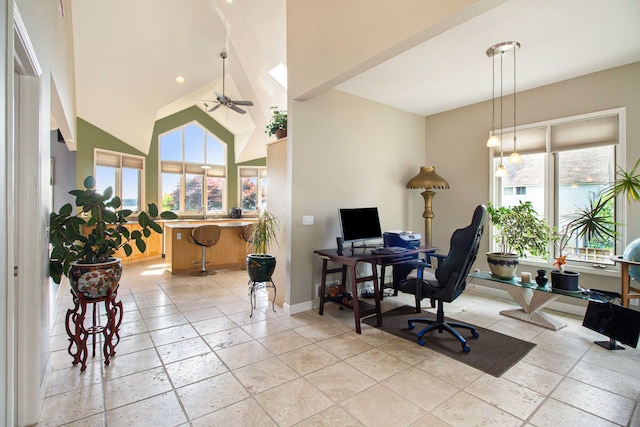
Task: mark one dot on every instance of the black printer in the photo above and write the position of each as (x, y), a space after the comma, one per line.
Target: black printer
(403, 239)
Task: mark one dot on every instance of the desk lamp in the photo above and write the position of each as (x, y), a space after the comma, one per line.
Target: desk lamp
(427, 179)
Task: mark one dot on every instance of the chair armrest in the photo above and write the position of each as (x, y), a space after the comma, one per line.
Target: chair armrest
(439, 257)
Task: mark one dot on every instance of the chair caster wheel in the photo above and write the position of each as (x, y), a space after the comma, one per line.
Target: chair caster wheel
(475, 334)
(411, 326)
(465, 348)
(421, 342)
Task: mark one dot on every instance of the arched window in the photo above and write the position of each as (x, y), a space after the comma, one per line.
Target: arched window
(193, 168)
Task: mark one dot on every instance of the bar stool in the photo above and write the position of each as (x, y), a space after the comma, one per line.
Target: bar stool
(205, 236)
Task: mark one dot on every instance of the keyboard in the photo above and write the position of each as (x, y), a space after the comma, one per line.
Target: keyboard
(390, 250)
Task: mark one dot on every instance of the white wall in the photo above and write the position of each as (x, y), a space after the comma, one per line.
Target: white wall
(348, 152)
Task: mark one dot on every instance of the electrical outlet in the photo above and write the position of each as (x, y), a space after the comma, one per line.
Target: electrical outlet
(178, 236)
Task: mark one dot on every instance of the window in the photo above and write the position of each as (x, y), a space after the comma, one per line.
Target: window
(123, 173)
(253, 188)
(190, 159)
(565, 163)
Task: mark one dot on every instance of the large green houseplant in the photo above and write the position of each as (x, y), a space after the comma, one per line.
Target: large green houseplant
(261, 264)
(92, 235)
(278, 124)
(520, 232)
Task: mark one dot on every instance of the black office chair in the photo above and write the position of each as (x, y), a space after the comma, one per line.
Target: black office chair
(449, 278)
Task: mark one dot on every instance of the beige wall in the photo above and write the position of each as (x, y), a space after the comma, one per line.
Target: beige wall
(330, 41)
(347, 152)
(455, 143)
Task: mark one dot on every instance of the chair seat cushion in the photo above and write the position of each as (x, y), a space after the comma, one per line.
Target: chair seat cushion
(429, 285)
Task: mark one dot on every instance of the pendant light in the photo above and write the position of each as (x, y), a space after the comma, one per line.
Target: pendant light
(493, 140)
(492, 52)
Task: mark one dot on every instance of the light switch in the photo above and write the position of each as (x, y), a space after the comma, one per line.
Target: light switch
(179, 236)
(307, 220)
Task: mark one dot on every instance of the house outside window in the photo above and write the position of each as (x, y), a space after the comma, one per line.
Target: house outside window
(565, 163)
(253, 189)
(193, 170)
(124, 173)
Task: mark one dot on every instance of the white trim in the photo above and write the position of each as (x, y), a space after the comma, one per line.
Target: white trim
(24, 55)
(297, 308)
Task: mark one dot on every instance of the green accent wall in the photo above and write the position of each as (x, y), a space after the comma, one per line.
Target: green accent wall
(90, 137)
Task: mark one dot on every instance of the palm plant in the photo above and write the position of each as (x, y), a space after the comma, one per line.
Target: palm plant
(264, 233)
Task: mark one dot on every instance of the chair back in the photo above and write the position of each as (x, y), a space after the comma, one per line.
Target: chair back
(465, 242)
(206, 235)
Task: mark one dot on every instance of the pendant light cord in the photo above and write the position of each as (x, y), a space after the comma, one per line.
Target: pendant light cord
(514, 98)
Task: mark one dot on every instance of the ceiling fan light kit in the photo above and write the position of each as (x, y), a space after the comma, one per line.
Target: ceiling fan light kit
(222, 99)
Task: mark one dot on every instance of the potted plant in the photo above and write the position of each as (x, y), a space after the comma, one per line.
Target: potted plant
(83, 243)
(278, 124)
(520, 232)
(594, 221)
(260, 264)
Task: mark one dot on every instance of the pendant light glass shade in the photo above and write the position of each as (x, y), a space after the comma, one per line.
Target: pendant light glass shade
(501, 172)
(515, 158)
(493, 141)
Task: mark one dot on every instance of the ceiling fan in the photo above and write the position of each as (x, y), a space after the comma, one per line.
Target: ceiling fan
(222, 99)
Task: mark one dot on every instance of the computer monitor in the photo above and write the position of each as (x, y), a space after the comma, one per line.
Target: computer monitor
(614, 321)
(359, 224)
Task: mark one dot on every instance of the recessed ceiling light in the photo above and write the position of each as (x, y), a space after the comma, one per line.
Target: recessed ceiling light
(180, 79)
(229, 1)
(279, 73)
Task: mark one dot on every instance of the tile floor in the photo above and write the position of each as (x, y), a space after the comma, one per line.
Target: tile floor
(191, 356)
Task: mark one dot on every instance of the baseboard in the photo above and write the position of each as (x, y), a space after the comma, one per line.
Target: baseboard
(575, 309)
(298, 308)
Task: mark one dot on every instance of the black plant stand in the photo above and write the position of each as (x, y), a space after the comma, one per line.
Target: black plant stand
(256, 286)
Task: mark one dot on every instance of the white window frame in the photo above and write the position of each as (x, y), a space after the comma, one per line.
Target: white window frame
(611, 270)
(184, 168)
(258, 172)
(119, 159)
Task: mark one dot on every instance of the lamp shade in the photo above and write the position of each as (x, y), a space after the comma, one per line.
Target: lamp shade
(427, 178)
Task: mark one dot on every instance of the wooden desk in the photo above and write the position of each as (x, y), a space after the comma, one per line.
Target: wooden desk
(348, 261)
(533, 298)
(625, 282)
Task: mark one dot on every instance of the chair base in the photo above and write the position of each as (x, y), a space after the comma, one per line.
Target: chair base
(441, 325)
(204, 273)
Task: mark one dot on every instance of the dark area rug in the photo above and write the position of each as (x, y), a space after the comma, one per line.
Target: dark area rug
(493, 352)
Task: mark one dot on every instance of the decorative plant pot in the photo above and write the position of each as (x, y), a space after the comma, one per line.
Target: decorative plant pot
(94, 280)
(565, 281)
(502, 266)
(281, 133)
(260, 267)
(541, 278)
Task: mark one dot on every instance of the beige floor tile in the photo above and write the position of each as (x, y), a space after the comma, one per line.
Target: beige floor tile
(616, 382)
(333, 416)
(173, 334)
(194, 369)
(344, 346)
(430, 421)
(377, 364)
(132, 388)
(284, 342)
(318, 331)
(626, 362)
(340, 381)
(134, 343)
(379, 406)
(506, 395)
(68, 379)
(550, 360)
(72, 406)
(230, 337)
(420, 388)
(533, 377)
(455, 373)
(156, 323)
(263, 375)
(202, 314)
(183, 349)
(265, 328)
(557, 414)
(293, 402)
(244, 354)
(126, 364)
(212, 394)
(162, 310)
(594, 400)
(161, 410)
(408, 351)
(246, 413)
(216, 324)
(308, 359)
(465, 410)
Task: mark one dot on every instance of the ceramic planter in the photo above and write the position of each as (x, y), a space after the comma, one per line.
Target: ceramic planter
(566, 281)
(502, 266)
(94, 280)
(260, 267)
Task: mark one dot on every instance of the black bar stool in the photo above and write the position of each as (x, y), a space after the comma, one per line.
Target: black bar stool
(205, 236)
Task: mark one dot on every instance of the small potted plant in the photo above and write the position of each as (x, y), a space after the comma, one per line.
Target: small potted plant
(260, 264)
(83, 243)
(278, 124)
(520, 232)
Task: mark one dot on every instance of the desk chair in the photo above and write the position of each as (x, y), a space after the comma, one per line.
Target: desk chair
(449, 279)
(205, 236)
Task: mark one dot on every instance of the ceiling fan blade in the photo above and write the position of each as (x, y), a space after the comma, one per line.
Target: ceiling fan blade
(215, 107)
(236, 109)
(243, 102)
(221, 98)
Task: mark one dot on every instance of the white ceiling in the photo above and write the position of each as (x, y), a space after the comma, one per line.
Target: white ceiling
(560, 39)
(128, 53)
